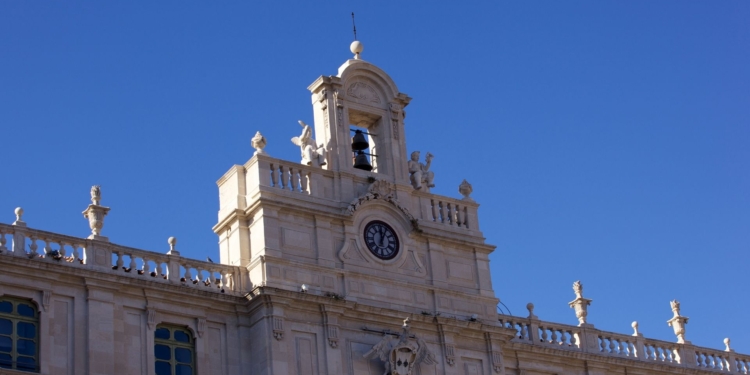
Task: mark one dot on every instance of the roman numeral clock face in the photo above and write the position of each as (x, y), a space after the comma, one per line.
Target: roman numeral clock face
(381, 239)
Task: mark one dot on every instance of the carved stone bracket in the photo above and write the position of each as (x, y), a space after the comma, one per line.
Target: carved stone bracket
(151, 319)
(333, 336)
(278, 327)
(450, 356)
(46, 296)
(330, 321)
(339, 109)
(200, 326)
(382, 190)
(395, 117)
(495, 353)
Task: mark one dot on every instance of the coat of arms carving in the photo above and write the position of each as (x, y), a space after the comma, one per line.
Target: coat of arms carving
(403, 353)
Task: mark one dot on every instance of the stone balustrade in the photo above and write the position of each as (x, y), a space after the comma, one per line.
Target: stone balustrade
(558, 335)
(263, 171)
(532, 331)
(106, 257)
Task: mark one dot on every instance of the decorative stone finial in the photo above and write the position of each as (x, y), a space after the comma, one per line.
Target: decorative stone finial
(19, 217)
(258, 142)
(726, 343)
(530, 307)
(96, 194)
(419, 173)
(675, 305)
(580, 304)
(96, 213)
(465, 189)
(172, 242)
(678, 322)
(356, 47)
(578, 289)
(635, 329)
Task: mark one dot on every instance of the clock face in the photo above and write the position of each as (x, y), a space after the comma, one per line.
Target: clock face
(381, 240)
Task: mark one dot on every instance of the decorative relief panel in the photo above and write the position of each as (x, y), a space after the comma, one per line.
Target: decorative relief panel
(295, 239)
(307, 353)
(363, 91)
(462, 271)
(472, 366)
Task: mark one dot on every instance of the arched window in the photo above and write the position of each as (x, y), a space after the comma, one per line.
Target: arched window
(19, 335)
(174, 350)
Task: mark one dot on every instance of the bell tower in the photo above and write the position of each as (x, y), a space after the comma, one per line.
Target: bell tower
(331, 229)
(361, 96)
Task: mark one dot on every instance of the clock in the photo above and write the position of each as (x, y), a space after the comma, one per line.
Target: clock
(381, 239)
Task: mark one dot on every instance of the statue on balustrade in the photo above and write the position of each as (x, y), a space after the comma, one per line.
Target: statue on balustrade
(419, 173)
(312, 154)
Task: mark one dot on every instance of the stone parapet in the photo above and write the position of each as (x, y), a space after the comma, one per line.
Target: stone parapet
(101, 256)
(589, 340)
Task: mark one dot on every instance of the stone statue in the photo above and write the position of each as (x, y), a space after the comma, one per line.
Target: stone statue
(312, 154)
(259, 143)
(419, 173)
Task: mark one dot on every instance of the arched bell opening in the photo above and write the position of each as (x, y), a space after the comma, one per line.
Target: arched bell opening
(365, 140)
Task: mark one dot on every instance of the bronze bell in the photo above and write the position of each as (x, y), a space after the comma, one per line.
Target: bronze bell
(359, 142)
(361, 162)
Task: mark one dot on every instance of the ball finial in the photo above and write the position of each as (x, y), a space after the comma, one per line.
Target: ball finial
(356, 47)
(19, 213)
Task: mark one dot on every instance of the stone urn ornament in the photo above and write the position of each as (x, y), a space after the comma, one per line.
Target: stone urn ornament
(678, 322)
(259, 143)
(95, 213)
(580, 305)
(465, 189)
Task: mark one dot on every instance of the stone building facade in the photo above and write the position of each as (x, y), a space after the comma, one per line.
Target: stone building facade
(325, 269)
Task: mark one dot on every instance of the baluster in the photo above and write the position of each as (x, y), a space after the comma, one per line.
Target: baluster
(198, 276)
(553, 336)
(62, 251)
(293, 179)
(187, 277)
(434, 210)
(3, 241)
(304, 186)
(132, 265)
(466, 218)
(120, 261)
(449, 213)
(459, 218)
(573, 341)
(160, 270)
(524, 334)
(544, 334)
(274, 179)
(144, 266)
(32, 248)
(442, 212)
(212, 277)
(612, 346)
(76, 255)
(284, 176)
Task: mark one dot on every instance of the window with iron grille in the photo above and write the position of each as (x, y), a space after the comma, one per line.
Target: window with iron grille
(19, 335)
(174, 350)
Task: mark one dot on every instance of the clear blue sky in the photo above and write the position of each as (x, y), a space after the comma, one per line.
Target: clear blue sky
(607, 141)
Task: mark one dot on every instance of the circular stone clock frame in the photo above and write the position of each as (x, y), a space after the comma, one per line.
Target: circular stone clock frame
(382, 240)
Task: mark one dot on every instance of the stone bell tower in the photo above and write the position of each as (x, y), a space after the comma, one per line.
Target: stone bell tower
(363, 96)
(329, 229)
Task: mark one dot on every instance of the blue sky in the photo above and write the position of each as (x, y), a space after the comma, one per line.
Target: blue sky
(606, 141)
